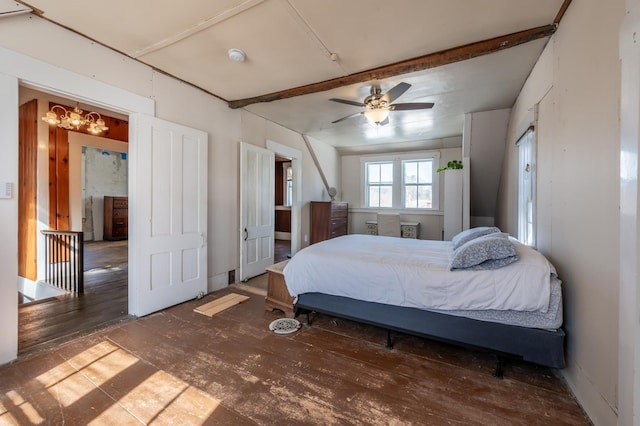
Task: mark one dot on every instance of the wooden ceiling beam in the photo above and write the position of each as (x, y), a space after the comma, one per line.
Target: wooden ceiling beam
(432, 60)
(561, 12)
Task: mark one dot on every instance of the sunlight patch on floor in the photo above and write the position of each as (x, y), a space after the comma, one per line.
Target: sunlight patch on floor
(159, 396)
(27, 410)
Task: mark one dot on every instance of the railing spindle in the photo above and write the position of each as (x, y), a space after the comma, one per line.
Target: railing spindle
(64, 258)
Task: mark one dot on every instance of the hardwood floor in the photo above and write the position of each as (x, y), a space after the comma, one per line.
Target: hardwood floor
(178, 366)
(281, 250)
(104, 301)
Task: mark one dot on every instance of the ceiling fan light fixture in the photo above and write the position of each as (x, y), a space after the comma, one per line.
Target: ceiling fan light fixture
(376, 115)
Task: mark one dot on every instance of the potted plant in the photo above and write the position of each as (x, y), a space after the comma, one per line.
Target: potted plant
(451, 165)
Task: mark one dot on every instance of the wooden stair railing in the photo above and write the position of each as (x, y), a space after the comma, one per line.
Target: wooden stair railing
(64, 260)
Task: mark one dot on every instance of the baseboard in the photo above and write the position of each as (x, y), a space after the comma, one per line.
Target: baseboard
(279, 235)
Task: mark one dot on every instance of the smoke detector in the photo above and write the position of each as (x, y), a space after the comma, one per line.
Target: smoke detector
(237, 55)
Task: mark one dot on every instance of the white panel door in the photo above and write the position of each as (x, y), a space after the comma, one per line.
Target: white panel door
(168, 215)
(257, 210)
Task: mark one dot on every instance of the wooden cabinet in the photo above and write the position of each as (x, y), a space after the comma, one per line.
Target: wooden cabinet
(329, 219)
(116, 218)
(452, 203)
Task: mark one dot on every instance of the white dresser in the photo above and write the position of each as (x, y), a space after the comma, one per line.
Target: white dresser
(407, 229)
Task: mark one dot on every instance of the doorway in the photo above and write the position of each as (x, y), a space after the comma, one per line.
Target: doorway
(70, 165)
(253, 200)
(283, 196)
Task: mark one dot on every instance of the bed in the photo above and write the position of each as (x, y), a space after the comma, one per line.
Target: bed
(510, 303)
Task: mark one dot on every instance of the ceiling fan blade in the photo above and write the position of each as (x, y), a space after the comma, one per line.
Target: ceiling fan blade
(384, 122)
(411, 106)
(395, 92)
(348, 116)
(345, 101)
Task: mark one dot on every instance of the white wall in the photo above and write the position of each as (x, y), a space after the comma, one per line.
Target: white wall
(488, 131)
(576, 90)
(8, 225)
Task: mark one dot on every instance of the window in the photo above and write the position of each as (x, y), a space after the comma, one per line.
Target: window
(379, 186)
(401, 182)
(288, 184)
(417, 180)
(526, 187)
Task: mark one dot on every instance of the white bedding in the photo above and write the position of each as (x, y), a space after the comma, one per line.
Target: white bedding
(415, 273)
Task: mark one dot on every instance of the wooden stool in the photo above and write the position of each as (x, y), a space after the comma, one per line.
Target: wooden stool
(278, 296)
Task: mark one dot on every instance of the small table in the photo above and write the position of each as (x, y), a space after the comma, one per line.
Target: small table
(407, 229)
(278, 296)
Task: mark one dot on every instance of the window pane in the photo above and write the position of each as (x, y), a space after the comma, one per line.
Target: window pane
(425, 198)
(386, 196)
(374, 196)
(373, 173)
(386, 173)
(425, 172)
(410, 197)
(410, 172)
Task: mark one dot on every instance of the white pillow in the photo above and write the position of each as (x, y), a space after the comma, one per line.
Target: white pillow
(491, 251)
(472, 233)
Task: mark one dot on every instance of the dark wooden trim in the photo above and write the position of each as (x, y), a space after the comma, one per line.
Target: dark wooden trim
(561, 12)
(28, 190)
(63, 222)
(432, 60)
(53, 181)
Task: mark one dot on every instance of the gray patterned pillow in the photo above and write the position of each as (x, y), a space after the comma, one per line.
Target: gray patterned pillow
(491, 251)
(472, 233)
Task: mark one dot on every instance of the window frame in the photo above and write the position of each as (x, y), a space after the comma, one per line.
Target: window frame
(398, 187)
(526, 210)
(287, 195)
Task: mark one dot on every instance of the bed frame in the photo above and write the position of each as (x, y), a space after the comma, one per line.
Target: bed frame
(534, 345)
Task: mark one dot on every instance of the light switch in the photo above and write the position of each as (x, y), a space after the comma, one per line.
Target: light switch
(6, 190)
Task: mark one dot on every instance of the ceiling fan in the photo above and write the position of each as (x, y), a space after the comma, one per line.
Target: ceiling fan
(379, 105)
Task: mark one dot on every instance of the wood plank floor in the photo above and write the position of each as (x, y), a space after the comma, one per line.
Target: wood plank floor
(183, 367)
(104, 301)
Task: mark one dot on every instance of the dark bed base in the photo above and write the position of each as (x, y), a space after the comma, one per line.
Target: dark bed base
(534, 345)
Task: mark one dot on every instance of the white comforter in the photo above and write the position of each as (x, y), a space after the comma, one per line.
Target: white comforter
(415, 273)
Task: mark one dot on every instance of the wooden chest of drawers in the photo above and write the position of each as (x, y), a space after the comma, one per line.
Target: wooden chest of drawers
(329, 219)
(116, 218)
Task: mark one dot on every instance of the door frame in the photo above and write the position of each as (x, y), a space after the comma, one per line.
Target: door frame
(39, 75)
(296, 200)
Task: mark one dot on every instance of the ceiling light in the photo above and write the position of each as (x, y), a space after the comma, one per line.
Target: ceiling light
(91, 122)
(376, 115)
(237, 55)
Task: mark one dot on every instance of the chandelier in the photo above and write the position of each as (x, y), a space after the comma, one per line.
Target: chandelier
(92, 122)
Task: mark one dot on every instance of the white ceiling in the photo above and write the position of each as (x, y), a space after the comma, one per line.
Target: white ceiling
(289, 43)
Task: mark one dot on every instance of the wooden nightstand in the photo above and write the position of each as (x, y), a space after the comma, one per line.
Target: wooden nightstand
(277, 294)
